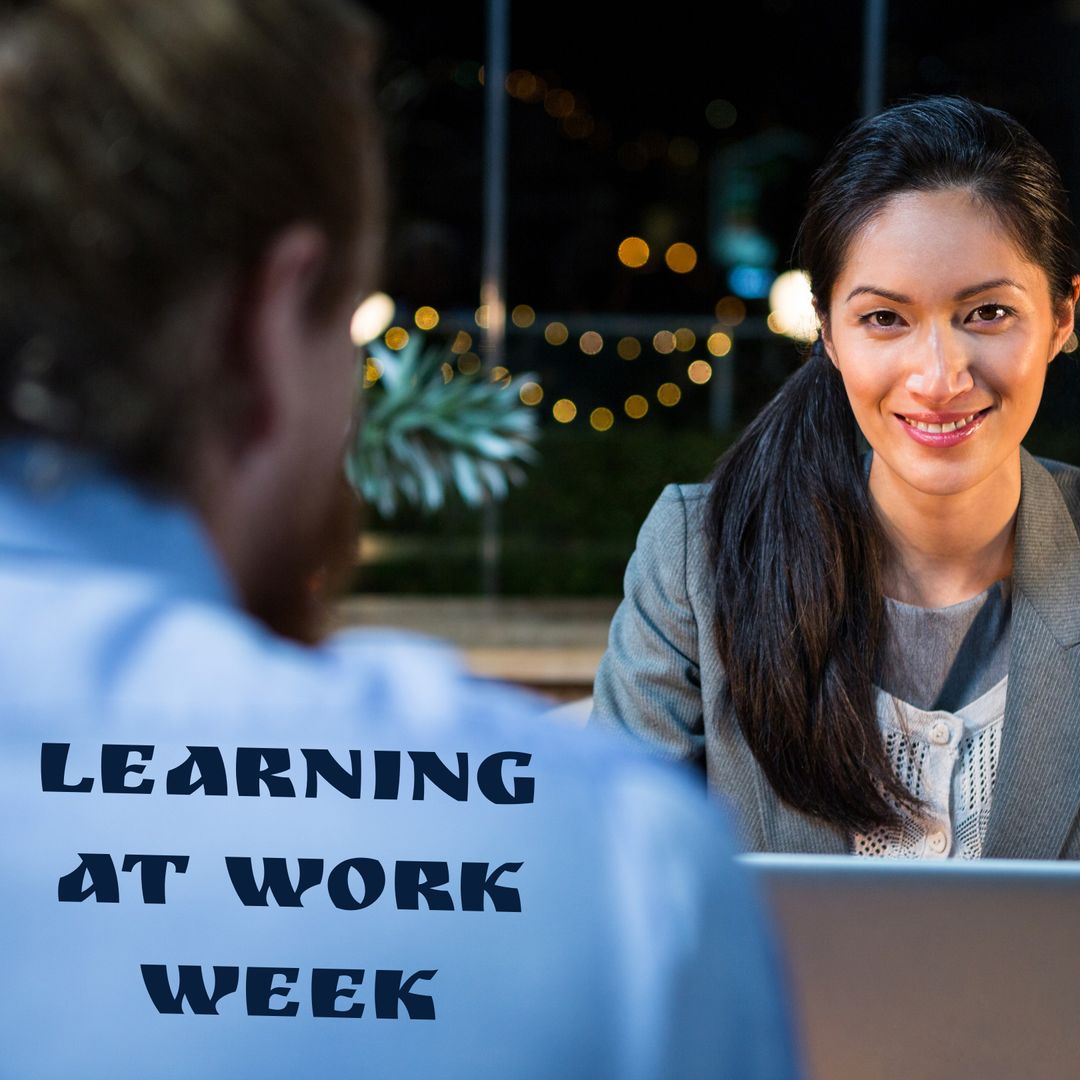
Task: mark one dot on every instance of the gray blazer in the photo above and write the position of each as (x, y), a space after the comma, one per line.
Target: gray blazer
(661, 677)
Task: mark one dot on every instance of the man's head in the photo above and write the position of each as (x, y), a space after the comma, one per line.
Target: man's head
(189, 209)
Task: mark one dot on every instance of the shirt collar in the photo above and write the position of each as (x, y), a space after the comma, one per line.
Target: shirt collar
(58, 503)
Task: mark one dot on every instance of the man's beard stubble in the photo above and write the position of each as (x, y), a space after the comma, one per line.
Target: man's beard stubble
(298, 603)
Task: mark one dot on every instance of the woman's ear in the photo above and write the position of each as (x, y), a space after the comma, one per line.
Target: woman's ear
(1065, 318)
(826, 336)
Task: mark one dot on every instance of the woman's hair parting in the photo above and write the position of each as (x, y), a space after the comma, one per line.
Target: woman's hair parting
(797, 550)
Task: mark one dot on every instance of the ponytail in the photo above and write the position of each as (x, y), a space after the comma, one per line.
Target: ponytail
(797, 552)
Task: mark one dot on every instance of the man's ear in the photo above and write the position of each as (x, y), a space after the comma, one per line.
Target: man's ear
(269, 329)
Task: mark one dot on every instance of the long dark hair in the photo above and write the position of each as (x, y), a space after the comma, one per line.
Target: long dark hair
(797, 549)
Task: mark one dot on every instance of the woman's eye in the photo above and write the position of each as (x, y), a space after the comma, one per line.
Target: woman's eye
(882, 319)
(988, 313)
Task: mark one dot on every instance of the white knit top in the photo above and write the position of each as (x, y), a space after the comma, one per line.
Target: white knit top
(949, 760)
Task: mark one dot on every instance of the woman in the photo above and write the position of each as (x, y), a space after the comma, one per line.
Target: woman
(875, 654)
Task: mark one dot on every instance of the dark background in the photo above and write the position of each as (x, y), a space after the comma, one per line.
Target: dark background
(640, 157)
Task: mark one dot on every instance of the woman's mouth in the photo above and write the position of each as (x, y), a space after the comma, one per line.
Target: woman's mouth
(942, 429)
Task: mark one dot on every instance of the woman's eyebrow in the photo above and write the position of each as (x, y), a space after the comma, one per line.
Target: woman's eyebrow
(963, 294)
(896, 298)
(996, 283)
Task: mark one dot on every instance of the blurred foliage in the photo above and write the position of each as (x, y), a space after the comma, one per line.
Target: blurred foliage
(568, 531)
(427, 431)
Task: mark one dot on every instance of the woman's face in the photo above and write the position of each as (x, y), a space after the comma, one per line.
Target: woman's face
(942, 331)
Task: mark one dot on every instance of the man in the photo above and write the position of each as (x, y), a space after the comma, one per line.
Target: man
(226, 852)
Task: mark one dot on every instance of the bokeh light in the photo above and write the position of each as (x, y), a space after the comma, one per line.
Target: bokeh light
(683, 153)
(397, 337)
(462, 343)
(564, 410)
(719, 344)
(482, 317)
(720, 114)
(524, 85)
(531, 393)
(447, 372)
(426, 318)
(730, 311)
(633, 252)
(523, 316)
(556, 333)
(792, 304)
(372, 372)
(371, 318)
(590, 343)
(578, 125)
(559, 103)
(669, 394)
(699, 371)
(468, 363)
(664, 342)
(601, 419)
(680, 257)
(629, 348)
(636, 406)
(1070, 343)
(685, 339)
(500, 374)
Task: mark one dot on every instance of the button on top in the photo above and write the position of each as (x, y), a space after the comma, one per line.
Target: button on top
(938, 842)
(939, 733)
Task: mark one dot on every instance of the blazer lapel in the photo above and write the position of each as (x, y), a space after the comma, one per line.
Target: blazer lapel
(1037, 791)
(789, 830)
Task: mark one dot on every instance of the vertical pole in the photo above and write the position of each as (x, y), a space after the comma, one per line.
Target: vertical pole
(722, 393)
(493, 270)
(873, 84)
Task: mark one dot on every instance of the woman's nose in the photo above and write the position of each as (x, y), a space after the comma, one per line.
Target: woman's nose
(940, 366)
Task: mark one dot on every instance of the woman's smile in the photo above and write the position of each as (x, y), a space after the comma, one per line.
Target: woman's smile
(942, 429)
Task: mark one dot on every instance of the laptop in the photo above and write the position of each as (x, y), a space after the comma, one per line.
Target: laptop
(923, 970)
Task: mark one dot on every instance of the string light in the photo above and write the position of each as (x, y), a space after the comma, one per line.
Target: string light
(669, 394)
(531, 393)
(556, 333)
(720, 114)
(523, 316)
(559, 103)
(719, 344)
(700, 372)
(426, 318)
(685, 339)
(396, 338)
(633, 252)
(730, 311)
(681, 258)
(664, 342)
(590, 343)
(601, 419)
(564, 410)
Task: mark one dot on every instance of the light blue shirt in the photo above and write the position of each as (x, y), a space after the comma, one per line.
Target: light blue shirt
(395, 870)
